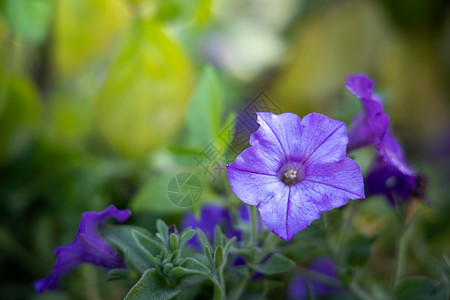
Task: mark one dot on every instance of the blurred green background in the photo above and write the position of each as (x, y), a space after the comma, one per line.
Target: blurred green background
(103, 101)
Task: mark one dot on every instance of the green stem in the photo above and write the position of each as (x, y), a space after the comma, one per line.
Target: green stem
(237, 292)
(254, 229)
(222, 282)
(359, 292)
(217, 293)
(269, 243)
(354, 287)
(319, 277)
(400, 257)
(345, 230)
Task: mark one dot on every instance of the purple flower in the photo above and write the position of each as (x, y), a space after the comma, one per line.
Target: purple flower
(389, 174)
(210, 216)
(298, 288)
(88, 247)
(294, 170)
(368, 127)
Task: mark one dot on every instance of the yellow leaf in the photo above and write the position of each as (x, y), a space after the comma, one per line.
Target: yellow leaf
(85, 29)
(144, 98)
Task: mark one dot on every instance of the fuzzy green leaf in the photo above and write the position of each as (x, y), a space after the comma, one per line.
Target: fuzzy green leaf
(151, 286)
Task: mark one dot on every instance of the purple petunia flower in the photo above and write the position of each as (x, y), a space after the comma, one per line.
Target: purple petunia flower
(368, 127)
(210, 216)
(88, 247)
(389, 174)
(294, 170)
(298, 287)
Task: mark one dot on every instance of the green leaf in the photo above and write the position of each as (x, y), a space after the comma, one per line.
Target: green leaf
(145, 95)
(189, 266)
(117, 274)
(276, 264)
(150, 245)
(151, 286)
(420, 288)
(163, 229)
(218, 236)
(186, 235)
(228, 245)
(167, 267)
(168, 10)
(152, 196)
(205, 108)
(203, 239)
(121, 236)
(28, 18)
(173, 241)
(219, 257)
(208, 254)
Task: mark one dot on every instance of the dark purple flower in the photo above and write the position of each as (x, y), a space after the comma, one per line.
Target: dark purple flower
(210, 216)
(298, 288)
(88, 247)
(389, 174)
(294, 170)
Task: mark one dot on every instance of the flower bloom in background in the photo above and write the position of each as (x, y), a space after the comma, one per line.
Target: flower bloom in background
(368, 127)
(389, 174)
(88, 247)
(294, 170)
(210, 216)
(298, 287)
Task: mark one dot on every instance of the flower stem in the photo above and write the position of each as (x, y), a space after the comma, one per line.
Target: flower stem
(319, 277)
(358, 291)
(345, 232)
(254, 229)
(222, 282)
(237, 292)
(400, 257)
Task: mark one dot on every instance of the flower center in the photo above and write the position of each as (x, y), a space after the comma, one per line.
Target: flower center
(290, 173)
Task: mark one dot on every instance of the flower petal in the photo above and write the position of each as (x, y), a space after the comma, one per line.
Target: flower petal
(392, 153)
(360, 85)
(255, 160)
(277, 133)
(369, 127)
(251, 187)
(337, 182)
(88, 247)
(391, 175)
(324, 187)
(274, 211)
(322, 139)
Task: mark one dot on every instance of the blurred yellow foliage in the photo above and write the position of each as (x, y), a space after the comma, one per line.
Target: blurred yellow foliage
(70, 120)
(328, 45)
(145, 95)
(84, 29)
